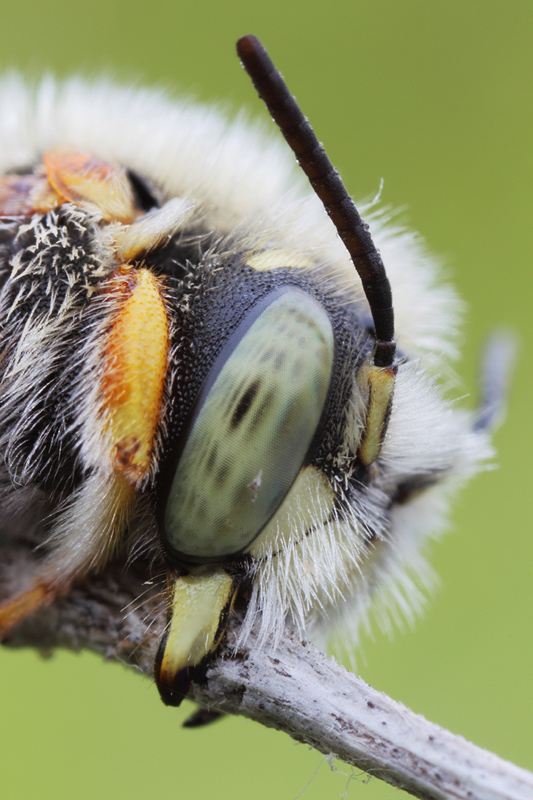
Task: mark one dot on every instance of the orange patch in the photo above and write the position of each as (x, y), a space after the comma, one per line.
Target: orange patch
(23, 195)
(82, 178)
(135, 369)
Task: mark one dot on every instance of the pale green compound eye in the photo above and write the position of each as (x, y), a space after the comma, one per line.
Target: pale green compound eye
(251, 431)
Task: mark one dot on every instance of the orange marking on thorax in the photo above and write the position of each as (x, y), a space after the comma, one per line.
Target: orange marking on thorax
(83, 178)
(135, 370)
(24, 195)
(68, 175)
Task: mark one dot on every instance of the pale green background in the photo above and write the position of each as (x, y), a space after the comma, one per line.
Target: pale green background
(436, 98)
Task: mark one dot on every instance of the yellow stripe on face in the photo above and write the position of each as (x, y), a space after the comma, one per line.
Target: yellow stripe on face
(379, 382)
(135, 369)
(266, 260)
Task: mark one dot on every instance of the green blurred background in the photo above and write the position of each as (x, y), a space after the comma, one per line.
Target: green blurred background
(436, 98)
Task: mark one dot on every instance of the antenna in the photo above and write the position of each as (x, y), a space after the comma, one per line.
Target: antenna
(328, 185)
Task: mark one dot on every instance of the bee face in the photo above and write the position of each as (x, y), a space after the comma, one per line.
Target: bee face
(187, 350)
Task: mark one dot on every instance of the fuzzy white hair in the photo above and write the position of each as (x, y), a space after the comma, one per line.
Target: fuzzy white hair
(244, 185)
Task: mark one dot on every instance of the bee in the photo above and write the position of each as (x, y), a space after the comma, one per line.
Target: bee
(199, 361)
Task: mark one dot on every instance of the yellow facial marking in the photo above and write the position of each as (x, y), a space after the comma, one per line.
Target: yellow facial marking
(379, 383)
(309, 503)
(135, 369)
(79, 177)
(275, 259)
(199, 601)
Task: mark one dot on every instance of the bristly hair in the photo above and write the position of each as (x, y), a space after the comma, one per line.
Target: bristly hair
(365, 549)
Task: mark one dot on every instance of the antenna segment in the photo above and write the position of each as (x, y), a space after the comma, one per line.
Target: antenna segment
(328, 185)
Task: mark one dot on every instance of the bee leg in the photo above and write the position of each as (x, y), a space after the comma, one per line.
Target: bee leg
(200, 606)
(16, 609)
(202, 717)
(84, 538)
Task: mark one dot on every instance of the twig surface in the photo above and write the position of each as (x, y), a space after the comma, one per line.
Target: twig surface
(298, 689)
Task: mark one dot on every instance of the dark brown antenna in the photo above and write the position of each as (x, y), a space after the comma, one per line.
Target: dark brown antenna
(328, 185)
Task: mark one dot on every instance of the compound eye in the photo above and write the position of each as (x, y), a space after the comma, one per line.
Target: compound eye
(252, 429)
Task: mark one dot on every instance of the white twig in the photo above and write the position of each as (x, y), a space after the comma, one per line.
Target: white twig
(297, 690)
(316, 701)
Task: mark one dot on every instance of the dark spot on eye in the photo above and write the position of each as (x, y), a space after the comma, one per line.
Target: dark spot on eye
(261, 412)
(297, 368)
(279, 361)
(240, 496)
(266, 356)
(222, 474)
(244, 404)
(316, 385)
(219, 526)
(211, 458)
(199, 510)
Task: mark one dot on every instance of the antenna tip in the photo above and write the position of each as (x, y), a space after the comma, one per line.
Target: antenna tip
(247, 45)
